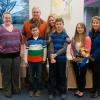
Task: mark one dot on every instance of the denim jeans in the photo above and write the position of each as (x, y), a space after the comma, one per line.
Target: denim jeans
(80, 75)
(35, 75)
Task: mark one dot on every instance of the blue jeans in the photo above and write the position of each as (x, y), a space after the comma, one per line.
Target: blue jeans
(35, 75)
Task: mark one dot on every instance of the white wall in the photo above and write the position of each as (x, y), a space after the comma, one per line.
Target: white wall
(77, 13)
(45, 6)
(77, 10)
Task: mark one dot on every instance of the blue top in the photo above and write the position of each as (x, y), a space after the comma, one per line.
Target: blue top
(95, 49)
(59, 45)
(38, 41)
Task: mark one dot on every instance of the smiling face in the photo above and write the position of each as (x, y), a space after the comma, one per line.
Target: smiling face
(80, 29)
(7, 19)
(96, 24)
(36, 13)
(51, 21)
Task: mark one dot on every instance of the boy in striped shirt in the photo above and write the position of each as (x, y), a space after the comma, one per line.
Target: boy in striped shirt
(35, 59)
(57, 69)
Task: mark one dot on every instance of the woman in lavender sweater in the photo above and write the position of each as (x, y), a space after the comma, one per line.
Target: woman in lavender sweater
(11, 46)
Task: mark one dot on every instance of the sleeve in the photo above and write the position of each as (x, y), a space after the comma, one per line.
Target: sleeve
(88, 43)
(44, 43)
(21, 37)
(51, 46)
(44, 50)
(63, 50)
(22, 46)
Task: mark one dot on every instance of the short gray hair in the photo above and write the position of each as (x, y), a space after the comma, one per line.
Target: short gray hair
(6, 13)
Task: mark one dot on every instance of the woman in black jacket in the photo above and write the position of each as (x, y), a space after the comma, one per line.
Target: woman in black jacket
(95, 54)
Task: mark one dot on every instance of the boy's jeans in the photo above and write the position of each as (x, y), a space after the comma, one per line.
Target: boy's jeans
(35, 75)
(57, 77)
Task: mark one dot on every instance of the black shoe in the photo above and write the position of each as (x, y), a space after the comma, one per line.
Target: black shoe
(95, 94)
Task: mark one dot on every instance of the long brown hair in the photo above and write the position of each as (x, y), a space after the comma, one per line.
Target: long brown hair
(48, 25)
(83, 35)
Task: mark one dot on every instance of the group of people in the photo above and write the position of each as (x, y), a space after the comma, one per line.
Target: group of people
(37, 36)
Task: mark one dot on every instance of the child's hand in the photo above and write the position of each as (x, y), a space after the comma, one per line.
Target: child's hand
(75, 59)
(53, 60)
(68, 40)
(53, 56)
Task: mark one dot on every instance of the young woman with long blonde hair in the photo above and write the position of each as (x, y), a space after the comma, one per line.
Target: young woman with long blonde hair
(80, 40)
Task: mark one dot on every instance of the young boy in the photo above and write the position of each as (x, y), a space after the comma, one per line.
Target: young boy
(35, 59)
(58, 48)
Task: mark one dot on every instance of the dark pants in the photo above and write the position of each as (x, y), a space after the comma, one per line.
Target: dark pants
(96, 74)
(57, 78)
(80, 75)
(44, 74)
(35, 75)
(10, 72)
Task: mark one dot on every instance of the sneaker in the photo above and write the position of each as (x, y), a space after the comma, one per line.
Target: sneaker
(50, 97)
(30, 93)
(38, 93)
(63, 97)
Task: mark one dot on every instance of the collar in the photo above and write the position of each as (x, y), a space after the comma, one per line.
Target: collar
(35, 38)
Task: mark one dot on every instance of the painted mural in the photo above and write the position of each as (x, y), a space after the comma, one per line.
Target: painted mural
(61, 7)
(18, 8)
